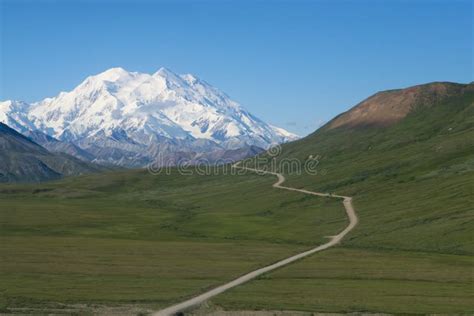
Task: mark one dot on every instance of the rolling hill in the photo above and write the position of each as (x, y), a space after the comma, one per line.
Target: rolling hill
(407, 158)
(138, 240)
(23, 160)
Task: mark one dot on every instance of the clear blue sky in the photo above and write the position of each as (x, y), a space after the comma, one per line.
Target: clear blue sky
(292, 63)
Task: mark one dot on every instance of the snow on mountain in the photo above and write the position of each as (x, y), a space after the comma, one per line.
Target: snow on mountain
(134, 111)
(15, 115)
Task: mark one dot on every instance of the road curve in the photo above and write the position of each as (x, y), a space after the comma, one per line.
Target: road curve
(347, 201)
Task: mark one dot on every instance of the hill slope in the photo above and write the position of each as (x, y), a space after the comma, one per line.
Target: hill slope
(407, 158)
(25, 161)
(425, 158)
(389, 107)
(57, 146)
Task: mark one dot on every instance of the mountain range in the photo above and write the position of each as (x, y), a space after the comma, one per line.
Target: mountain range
(23, 160)
(131, 119)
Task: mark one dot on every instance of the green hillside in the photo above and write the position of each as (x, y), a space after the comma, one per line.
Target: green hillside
(413, 188)
(411, 180)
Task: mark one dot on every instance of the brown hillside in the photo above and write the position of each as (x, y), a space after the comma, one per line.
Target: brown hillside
(388, 107)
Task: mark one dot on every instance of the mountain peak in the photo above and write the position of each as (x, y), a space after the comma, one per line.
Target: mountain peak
(169, 76)
(113, 74)
(133, 111)
(165, 72)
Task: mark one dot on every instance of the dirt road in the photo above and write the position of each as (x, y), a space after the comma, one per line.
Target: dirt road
(347, 201)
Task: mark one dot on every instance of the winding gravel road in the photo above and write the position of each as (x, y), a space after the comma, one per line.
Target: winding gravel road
(347, 201)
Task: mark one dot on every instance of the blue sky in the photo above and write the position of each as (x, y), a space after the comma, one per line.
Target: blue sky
(292, 63)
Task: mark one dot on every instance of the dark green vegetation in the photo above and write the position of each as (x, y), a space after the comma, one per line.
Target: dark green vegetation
(354, 280)
(22, 160)
(413, 189)
(131, 237)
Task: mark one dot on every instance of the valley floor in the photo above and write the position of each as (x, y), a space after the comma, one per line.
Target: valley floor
(369, 280)
(134, 243)
(139, 239)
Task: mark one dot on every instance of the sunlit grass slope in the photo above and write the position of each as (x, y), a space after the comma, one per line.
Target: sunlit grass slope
(413, 189)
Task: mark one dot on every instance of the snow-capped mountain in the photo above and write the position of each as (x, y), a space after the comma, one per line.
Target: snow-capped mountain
(138, 115)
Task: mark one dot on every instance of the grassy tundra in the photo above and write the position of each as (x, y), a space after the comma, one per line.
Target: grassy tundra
(134, 238)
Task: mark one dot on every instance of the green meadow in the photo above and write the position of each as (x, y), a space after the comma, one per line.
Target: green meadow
(130, 237)
(135, 238)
